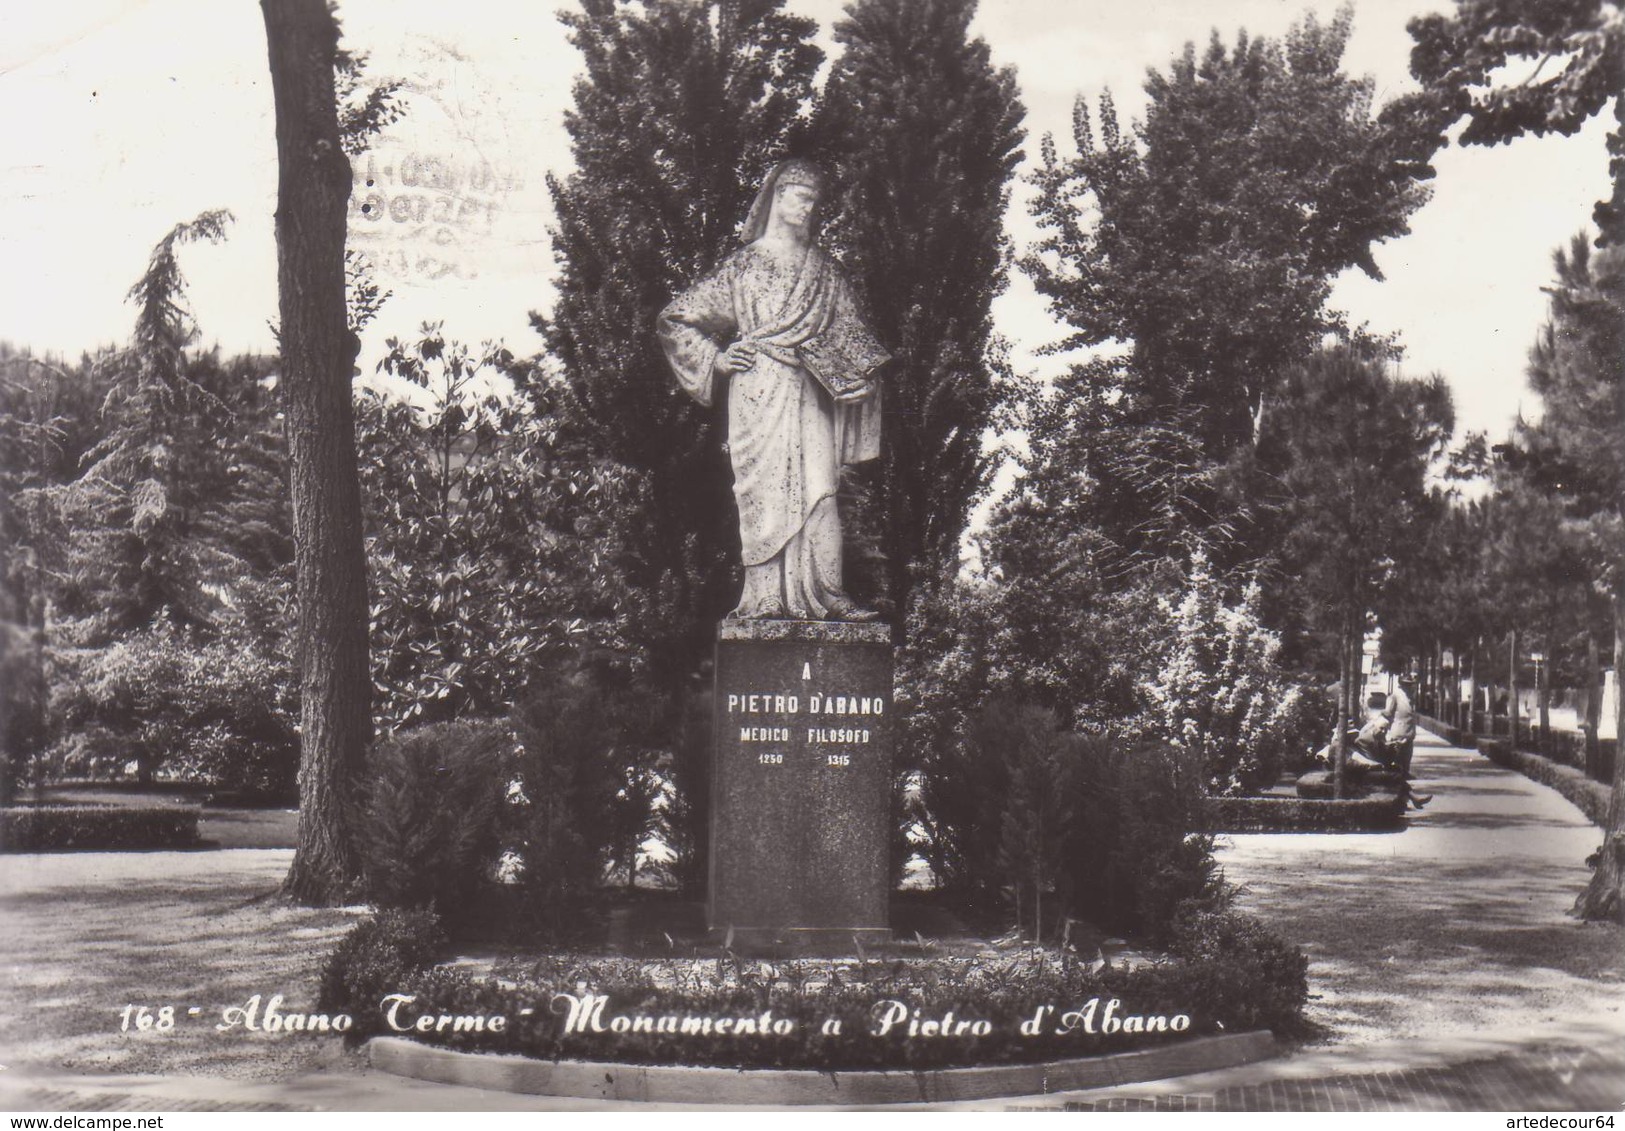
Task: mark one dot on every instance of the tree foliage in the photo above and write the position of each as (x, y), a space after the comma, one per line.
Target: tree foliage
(1515, 67)
(150, 550)
(485, 549)
(180, 504)
(1207, 242)
(1573, 455)
(1349, 450)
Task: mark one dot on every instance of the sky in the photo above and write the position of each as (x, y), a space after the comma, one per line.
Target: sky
(125, 117)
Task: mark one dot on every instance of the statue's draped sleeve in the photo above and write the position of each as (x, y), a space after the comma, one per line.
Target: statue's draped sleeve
(693, 328)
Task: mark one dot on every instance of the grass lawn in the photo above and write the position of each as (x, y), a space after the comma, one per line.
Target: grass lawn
(88, 933)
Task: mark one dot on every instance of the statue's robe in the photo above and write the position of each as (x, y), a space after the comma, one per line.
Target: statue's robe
(787, 436)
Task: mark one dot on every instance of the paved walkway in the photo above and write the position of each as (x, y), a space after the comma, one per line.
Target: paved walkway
(1445, 975)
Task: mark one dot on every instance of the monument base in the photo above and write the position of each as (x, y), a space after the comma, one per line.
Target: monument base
(809, 941)
(801, 786)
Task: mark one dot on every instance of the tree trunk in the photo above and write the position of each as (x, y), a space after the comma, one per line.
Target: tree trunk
(1543, 693)
(1443, 694)
(1472, 689)
(1593, 719)
(1604, 897)
(318, 351)
(1512, 688)
(1347, 695)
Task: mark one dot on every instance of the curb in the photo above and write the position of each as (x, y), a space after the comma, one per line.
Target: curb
(673, 1084)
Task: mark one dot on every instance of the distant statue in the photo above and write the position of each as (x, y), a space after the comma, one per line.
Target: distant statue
(777, 322)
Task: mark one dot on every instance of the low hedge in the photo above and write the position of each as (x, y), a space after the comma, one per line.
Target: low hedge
(1227, 973)
(1360, 782)
(1303, 815)
(41, 828)
(1440, 729)
(1590, 797)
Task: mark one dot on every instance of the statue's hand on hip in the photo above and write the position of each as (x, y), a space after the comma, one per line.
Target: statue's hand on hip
(736, 358)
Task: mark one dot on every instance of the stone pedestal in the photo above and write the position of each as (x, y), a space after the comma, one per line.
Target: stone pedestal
(801, 784)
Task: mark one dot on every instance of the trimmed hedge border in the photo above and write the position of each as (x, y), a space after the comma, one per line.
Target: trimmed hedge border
(1590, 797)
(1440, 729)
(648, 1083)
(1303, 815)
(80, 828)
(1565, 748)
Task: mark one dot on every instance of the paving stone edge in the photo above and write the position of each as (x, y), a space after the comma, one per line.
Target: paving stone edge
(713, 1086)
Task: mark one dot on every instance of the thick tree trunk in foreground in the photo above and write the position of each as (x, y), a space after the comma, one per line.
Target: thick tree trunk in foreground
(313, 189)
(1604, 897)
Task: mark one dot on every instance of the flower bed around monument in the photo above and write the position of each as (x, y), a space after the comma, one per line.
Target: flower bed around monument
(1225, 973)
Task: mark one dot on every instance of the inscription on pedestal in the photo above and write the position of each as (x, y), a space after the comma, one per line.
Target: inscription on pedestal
(801, 810)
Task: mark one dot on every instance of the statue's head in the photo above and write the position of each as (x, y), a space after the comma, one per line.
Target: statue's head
(792, 192)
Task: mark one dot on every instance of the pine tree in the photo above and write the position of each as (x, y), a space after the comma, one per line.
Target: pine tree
(1349, 451)
(927, 133)
(180, 498)
(1488, 62)
(1574, 455)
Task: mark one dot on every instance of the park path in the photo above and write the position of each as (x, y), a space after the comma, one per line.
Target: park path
(1444, 971)
(1457, 924)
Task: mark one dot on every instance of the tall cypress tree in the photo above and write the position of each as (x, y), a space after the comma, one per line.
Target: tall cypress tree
(928, 134)
(680, 111)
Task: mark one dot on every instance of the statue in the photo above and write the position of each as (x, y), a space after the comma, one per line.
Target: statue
(778, 324)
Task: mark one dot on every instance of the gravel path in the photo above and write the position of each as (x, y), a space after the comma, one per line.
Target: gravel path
(86, 934)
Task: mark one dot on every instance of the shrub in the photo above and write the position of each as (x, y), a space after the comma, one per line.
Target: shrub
(377, 957)
(36, 828)
(218, 712)
(1220, 692)
(1138, 851)
(1590, 797)
(1109, 823)
(1238, 969)
(426, 826)
(583, 770)
(1304, 727)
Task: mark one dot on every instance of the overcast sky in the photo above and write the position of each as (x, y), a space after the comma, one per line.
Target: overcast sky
(127, 116)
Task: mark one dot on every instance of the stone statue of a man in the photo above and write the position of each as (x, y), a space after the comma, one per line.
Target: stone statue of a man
(778, 323)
